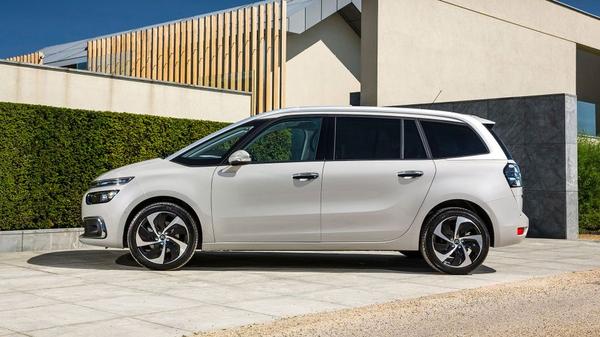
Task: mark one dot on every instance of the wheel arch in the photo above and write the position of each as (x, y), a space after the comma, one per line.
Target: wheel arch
(470, 205)
(156, 199)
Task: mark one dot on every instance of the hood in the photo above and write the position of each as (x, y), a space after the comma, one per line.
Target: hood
(136, 169)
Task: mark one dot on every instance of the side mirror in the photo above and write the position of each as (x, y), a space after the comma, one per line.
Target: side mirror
(239, 157)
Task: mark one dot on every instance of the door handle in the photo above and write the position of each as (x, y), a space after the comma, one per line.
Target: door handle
(306, 176)
(410, 174)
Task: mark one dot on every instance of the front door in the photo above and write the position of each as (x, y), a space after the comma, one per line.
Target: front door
(374, 188)
(277, 197)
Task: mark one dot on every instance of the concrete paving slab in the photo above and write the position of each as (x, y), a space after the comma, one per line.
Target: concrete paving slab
(135, 305)
(20, 300)
(21, 320)
(113, 327)
(96, 292)
(5, 332)
(283, 306)
(206, 318)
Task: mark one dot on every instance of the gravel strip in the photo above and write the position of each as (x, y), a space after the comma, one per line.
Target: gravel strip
(565, 305)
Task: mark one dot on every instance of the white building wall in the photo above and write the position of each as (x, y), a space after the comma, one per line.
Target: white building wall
(430, 46)
(323, 65)
(91, 91)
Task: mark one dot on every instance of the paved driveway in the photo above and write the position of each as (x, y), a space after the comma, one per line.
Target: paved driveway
(103, 293)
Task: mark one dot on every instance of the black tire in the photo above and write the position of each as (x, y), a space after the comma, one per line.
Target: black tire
(173, 243)
(412, 254)
(450, 252)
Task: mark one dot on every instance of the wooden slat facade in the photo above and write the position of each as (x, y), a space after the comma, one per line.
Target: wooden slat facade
(240, 50)
(32, 58)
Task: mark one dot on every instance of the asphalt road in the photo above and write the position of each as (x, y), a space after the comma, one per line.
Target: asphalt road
(565, 305)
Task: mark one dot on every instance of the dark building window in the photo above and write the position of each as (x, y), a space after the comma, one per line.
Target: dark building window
(587, 119)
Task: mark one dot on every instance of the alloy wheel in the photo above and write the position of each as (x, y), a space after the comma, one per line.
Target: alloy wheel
(457, 242)
(162, 238)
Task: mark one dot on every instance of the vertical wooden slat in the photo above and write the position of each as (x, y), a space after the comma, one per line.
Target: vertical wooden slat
(201, 59)
(105, 55)
(159, 53)
(123, 54)
(261, 60)
(138, 54)
(247, 47)
(213, 51)
(207, 57)
(240, 49)
(220, 19)
(128, 56)
(276, 57)
(118, 55)
(171, 52)
(166, 53)
(189, 52)
(234, 51)
(253, 67)
(135, 54)
(282, 90)
(177, 51)
(183, 53)
(269, 59)
(155, 53)
(113, 54)
(195, 46)
(143, 56)
(149, 53)
(91, 50)
(227, 50)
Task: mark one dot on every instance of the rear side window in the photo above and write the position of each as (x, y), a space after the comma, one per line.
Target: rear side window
(365, 138)
(448, 140)
(413, 145)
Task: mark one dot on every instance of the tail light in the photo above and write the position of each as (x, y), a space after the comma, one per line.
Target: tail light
(512, 172)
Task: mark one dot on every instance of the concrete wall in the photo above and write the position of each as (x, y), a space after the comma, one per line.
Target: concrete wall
(541, 133)
(540, 15)
(428, 46)
(92, 91)
(323, 65)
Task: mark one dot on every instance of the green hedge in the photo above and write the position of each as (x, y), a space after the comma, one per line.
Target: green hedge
(48, 157)
(589, 184)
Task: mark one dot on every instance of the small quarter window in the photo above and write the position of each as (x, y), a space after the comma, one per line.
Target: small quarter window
(448, 140)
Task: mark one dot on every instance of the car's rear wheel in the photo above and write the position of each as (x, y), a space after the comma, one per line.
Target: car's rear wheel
(455, 241)
(163, 236)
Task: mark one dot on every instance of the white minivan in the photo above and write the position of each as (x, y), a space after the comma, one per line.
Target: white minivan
(426, 183)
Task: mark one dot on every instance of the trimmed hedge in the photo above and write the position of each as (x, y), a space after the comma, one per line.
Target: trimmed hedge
(48, 157)
(589, 184)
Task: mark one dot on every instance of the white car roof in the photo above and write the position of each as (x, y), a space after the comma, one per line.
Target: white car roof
(409, 112)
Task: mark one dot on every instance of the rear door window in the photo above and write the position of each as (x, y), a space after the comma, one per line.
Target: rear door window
(367, 138)
(450, 140)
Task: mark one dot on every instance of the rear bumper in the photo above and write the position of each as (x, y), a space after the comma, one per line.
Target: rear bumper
(508, 219)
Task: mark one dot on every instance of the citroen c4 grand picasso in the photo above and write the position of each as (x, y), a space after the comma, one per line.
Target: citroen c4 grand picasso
(434, 184)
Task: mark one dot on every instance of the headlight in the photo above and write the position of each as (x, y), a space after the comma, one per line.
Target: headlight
(110, 182)
(101, 197)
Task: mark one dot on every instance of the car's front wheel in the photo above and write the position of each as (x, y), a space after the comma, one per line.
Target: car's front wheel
(455, 241)
(162, 236)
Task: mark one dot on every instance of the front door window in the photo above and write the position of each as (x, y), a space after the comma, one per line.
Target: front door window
(291, 140)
